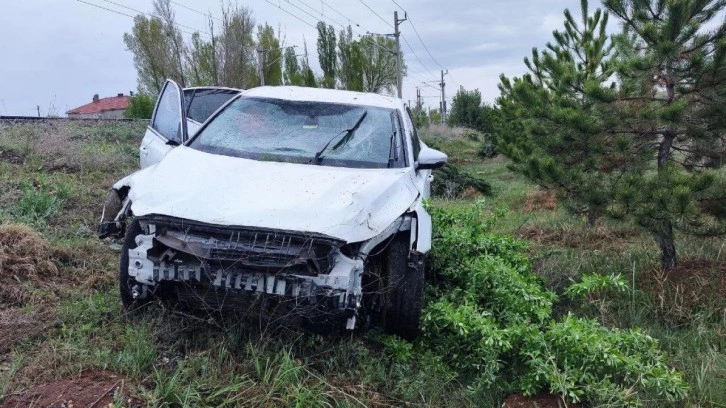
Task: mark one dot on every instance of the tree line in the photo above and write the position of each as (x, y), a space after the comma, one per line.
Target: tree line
(236, 52)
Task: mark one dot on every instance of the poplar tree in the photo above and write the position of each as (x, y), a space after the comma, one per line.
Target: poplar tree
(350, 61)
(272, 69)
(293, 74)
(327, 56)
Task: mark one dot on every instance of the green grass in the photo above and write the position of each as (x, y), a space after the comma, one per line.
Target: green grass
(177, 360)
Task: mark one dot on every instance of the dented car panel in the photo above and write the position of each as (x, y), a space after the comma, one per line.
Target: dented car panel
(350, 204)
(301, 231)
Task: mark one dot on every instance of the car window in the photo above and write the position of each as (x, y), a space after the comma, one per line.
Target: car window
(205, 102)
(398, 156)
(303, 132)
(167, 118)
(415, 141)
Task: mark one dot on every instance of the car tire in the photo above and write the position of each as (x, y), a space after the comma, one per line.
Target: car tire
(404, 290)
(125, 281)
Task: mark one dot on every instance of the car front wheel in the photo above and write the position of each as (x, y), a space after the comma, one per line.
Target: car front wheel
(404, 290)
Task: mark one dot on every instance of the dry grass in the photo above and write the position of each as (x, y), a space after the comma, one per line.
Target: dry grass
(695, 285)
(599, 238)
(25, 257)
(68, 147)
(540, 200)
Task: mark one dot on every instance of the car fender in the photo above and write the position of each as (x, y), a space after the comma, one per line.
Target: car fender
(421, 229)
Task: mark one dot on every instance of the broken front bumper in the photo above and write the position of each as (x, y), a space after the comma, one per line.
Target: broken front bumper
(306, 268)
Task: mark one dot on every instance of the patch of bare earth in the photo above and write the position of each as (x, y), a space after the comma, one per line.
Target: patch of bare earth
(538, 401)
(12, 157)
(95, 388)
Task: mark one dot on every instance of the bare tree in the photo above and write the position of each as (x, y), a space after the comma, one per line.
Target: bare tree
(237, 59)
(162, 9)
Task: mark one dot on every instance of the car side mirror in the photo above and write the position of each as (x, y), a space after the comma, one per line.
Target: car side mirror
(429, 158)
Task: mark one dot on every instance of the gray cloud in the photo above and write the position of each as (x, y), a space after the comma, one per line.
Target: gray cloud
(58, 53)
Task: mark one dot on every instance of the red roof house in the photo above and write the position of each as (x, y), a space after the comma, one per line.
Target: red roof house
(102, 108)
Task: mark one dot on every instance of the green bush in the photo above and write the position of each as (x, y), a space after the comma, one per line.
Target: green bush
(488, 148)
(489, 318)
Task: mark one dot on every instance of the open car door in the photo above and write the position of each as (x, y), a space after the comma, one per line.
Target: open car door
(167, 128)
(196, 106)
(201, 102)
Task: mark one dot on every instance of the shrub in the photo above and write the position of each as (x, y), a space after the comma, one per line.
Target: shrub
(488, 148)
(490, 318)
(450, 182)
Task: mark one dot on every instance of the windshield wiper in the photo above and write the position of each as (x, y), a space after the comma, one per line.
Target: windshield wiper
(348, 135)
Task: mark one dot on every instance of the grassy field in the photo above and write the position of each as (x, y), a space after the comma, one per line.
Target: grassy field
(61, 320)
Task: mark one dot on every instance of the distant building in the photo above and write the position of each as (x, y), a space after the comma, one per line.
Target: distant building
(102, 108)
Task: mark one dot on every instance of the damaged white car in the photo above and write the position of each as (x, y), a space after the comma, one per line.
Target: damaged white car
(307, 201)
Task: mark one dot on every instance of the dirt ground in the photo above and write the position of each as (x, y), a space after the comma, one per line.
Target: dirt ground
(17, 325)
(538, 401)
(91, 389)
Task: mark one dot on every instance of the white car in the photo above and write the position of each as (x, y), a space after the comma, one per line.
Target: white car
(307, 201)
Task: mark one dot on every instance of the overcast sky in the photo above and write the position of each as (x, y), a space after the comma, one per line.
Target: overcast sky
(58, 53)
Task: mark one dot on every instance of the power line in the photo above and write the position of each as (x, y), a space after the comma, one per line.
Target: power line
(415, 55)
(410, 21)
(105, 8)
(424, 44)
(147, 14)
(315, 17)
(341, 14)
(377, 15)
(322, 15)
(196, 11)
(399, 6)
(305, 22)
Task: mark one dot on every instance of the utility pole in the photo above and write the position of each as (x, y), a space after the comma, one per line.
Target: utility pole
(418, 99)
(443, 97)
(399, 68)
(261, 64)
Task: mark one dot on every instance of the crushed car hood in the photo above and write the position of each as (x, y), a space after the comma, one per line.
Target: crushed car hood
(349, 204)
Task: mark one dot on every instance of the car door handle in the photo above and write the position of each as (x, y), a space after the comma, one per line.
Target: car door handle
(144, 150)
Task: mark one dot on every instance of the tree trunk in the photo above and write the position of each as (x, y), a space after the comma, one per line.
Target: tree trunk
(591, 218)
(667, 246)
(664, 150)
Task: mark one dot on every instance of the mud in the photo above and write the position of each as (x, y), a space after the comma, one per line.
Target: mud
(96, 388)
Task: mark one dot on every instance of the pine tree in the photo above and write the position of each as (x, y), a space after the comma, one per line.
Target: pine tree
(468, 110)
(552, 124)
(669, 108)
(637, 134)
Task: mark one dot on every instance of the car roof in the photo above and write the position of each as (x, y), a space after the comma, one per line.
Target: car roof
(298, 93)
